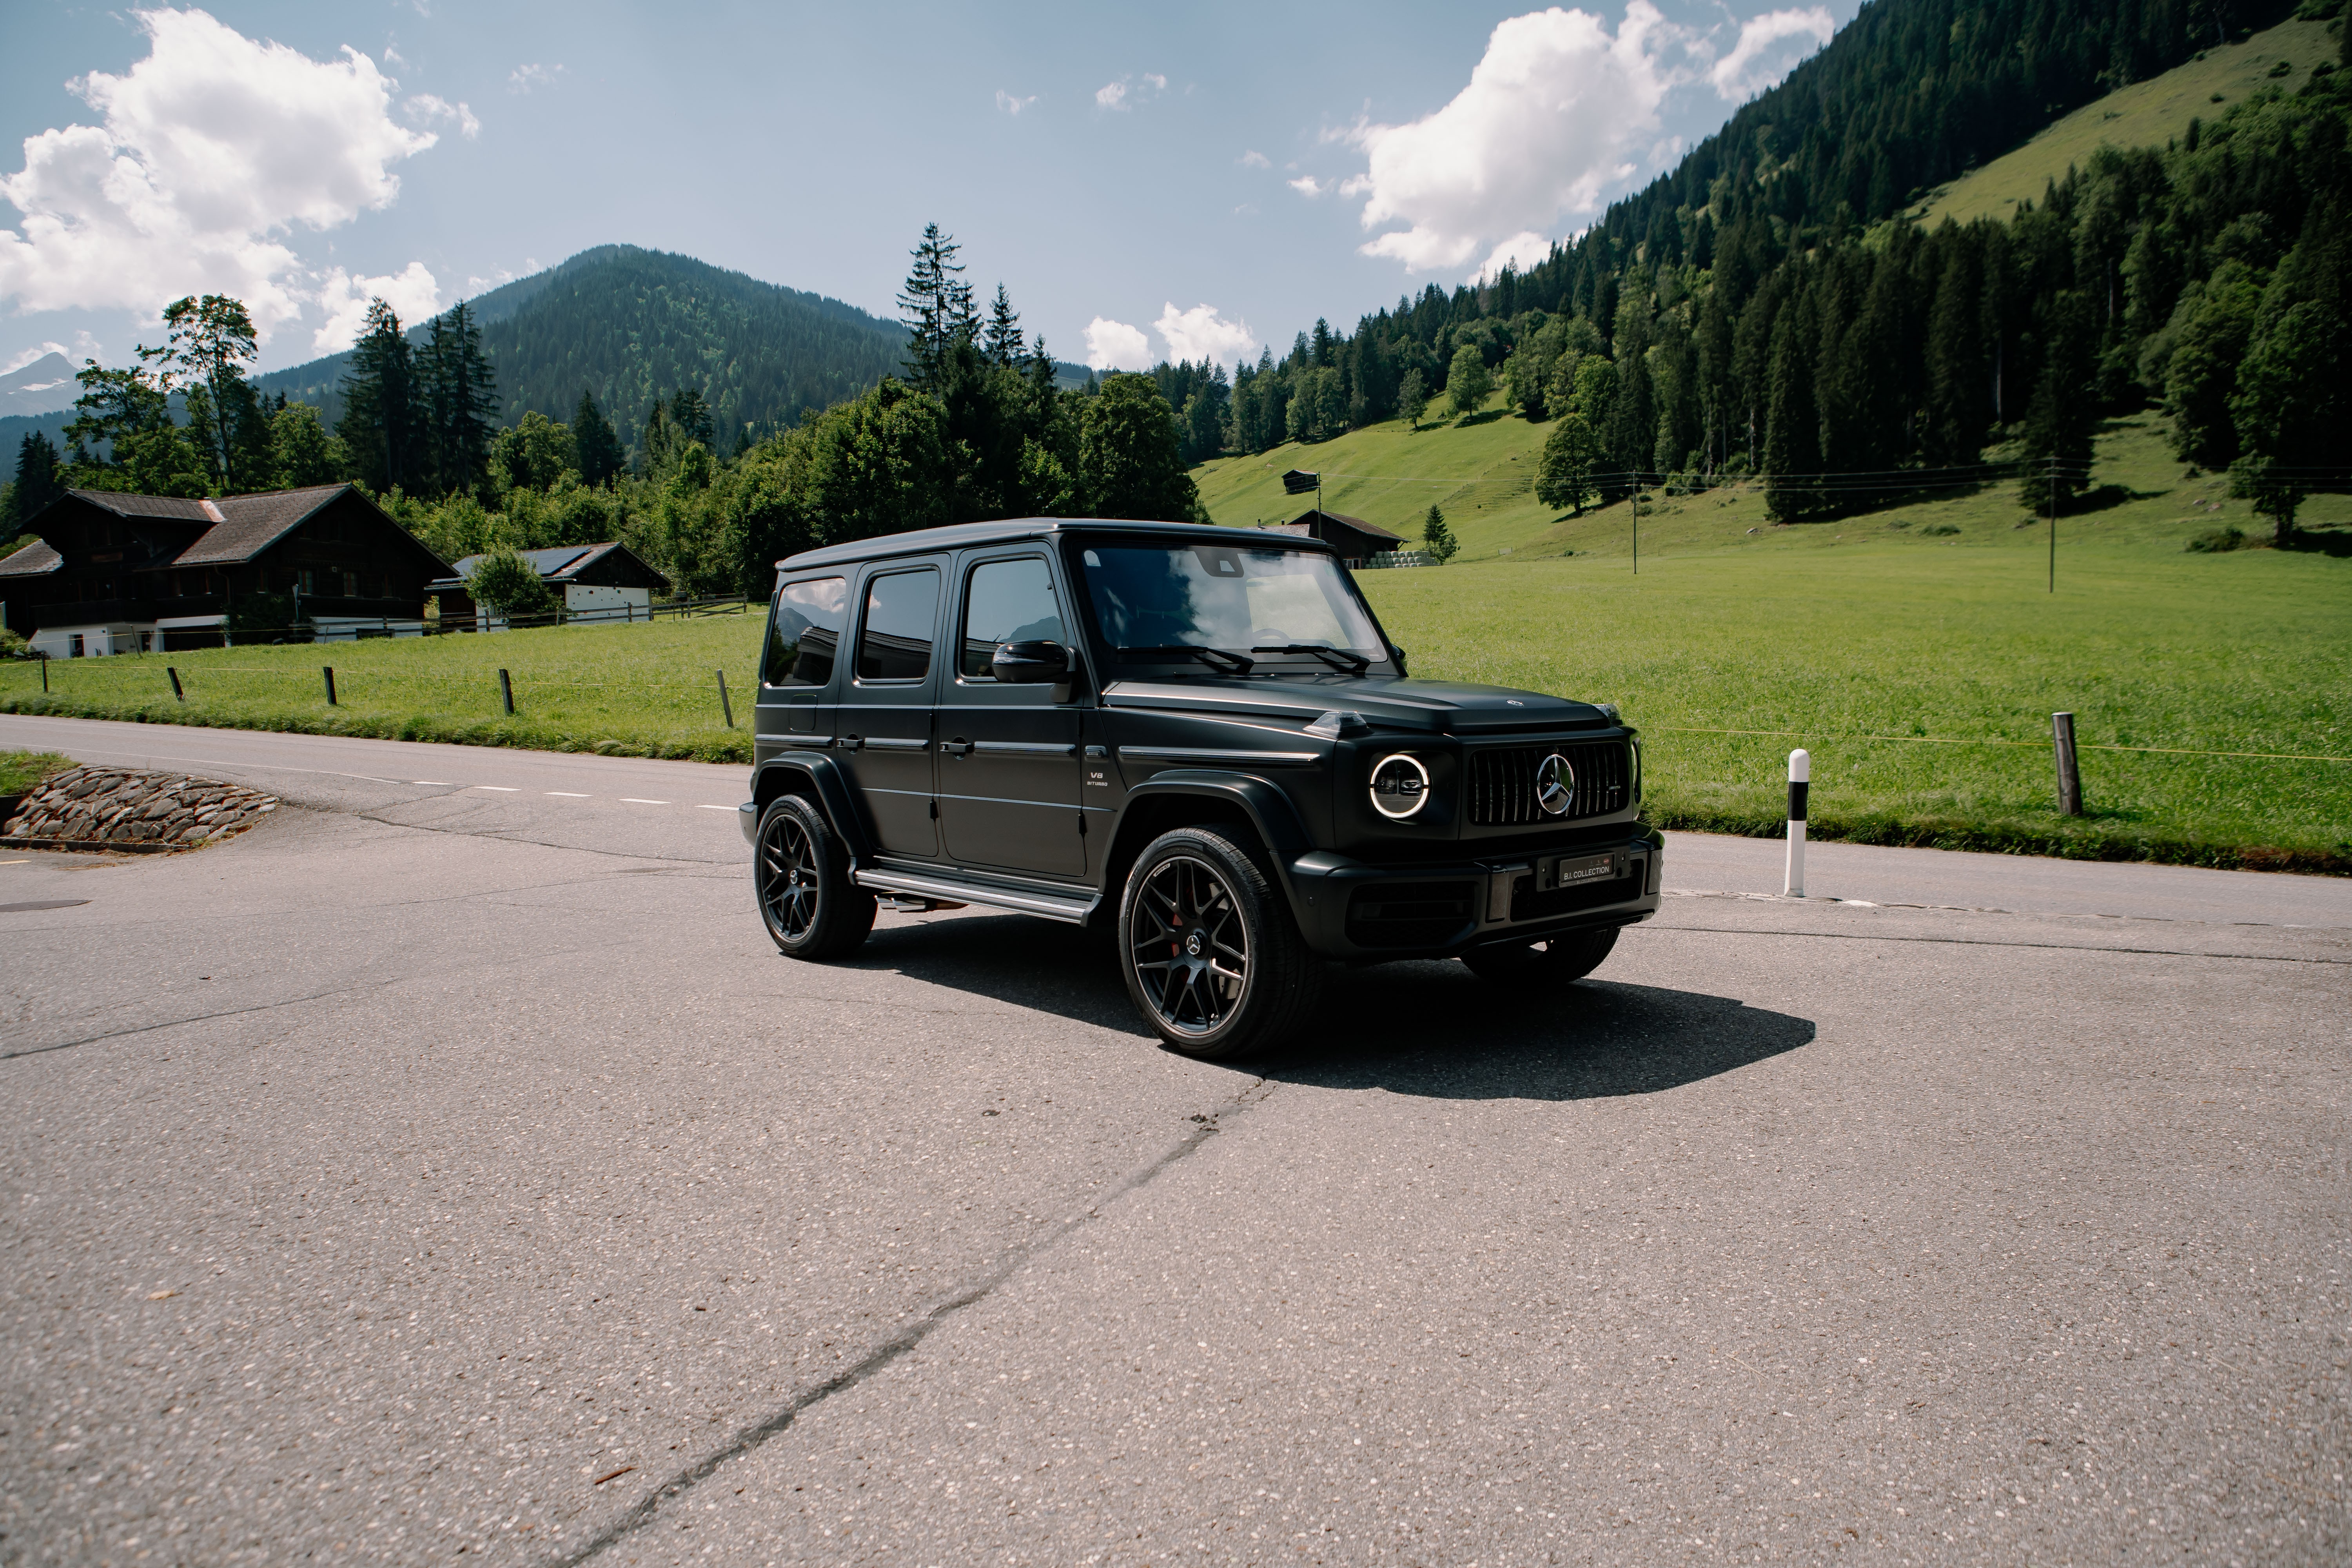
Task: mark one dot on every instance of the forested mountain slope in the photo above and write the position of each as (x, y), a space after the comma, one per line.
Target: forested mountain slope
(629, 325)
(1768, 308)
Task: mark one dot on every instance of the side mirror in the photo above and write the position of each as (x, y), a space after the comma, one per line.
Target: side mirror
(1030, 663)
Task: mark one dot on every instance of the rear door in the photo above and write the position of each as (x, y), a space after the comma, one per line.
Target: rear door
(1008, 776)
(798, 662)
(883, 728)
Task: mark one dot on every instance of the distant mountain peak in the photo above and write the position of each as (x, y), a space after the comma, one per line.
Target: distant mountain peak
(43, 386)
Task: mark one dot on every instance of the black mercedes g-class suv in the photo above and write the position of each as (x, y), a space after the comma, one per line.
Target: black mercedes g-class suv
(1196, 740)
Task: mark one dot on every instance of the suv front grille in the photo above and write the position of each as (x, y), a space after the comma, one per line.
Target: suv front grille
(1503, 783)
(1411, 914)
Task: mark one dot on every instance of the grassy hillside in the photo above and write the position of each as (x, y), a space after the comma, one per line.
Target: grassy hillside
(2145, 114)
(1481, 470)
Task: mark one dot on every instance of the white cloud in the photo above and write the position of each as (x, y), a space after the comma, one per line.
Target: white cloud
(210, 148)
(1307, 185)
(1200, 333)
(1115, 346)
(1765, 54)
(1126, 93)
(412, 293)
(1521, 250)
(429, 107)
(1012, 105)
(1255, 161)
(1556, 111)
(523, 79)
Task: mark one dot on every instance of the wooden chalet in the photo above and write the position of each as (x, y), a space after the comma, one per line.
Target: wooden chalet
(1356, 540)
(127, 573)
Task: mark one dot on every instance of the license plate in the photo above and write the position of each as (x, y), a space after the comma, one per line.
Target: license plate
(1570, 870)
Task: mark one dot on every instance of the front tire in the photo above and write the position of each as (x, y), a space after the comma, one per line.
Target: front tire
(1209, 950)
(800, 877)
(1554, 961)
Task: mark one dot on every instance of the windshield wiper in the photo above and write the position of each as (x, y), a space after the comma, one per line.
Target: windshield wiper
(1337, 657)
(1235, 662)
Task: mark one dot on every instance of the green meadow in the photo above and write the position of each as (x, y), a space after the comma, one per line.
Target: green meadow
(1917, 652)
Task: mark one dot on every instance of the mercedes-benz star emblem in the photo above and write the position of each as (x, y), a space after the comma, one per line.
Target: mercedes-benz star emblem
(1555, 785)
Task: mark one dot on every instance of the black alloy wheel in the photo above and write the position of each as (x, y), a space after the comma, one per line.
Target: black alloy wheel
(1210, 955)
(1553, 961)
(800, 875)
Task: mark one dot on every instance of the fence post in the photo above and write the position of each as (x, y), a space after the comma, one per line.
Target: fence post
(45, 677)
(725, 706)
(329, 671)
(506, 693)
(1800, 774)
(2070, 779)
(177, 695)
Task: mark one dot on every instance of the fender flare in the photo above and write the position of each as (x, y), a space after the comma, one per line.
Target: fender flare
(778, 774)
(1269, 809)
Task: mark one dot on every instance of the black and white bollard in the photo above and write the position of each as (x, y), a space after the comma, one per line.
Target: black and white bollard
(1800, 774)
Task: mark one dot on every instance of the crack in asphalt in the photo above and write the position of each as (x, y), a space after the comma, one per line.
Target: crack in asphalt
(644, 1510)
(1986, 942)
(198, 1018)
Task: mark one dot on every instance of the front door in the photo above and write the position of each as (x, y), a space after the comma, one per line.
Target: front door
(1008, 755)
(884, 724)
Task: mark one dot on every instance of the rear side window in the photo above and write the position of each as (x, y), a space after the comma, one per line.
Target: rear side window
(804, 632)
(902, 613)
(1007, 601)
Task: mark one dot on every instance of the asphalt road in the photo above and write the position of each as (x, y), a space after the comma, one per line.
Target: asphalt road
(453, 1167)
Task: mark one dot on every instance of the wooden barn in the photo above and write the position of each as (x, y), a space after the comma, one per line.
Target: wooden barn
(127, 573)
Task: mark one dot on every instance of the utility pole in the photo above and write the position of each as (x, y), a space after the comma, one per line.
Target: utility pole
(2054, 523)
(1637, 524)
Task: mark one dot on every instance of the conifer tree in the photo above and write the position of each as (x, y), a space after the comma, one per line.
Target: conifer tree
(2064, 413)
(1002, 339)
(935, 304)
(382, 426)
(460, 395)
(1792, 433)
(599, 445)
(36, 483)
(1438, 539)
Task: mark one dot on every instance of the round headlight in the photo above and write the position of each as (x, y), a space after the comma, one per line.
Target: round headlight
(1399, 787)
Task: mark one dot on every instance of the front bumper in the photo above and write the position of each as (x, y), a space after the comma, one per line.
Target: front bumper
(1350, 909)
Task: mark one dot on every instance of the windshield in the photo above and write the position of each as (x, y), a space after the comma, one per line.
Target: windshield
(1265, 604)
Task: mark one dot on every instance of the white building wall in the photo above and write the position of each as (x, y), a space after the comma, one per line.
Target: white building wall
(584, 602)
(98, 639)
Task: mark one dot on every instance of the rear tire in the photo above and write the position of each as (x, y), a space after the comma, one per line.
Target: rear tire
(800, 878)
(1554, 961)
(1212, 957)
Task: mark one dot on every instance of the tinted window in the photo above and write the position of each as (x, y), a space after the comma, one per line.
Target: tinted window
(902, 611)
(1234, 598)
(804, 632)
(1007, 601)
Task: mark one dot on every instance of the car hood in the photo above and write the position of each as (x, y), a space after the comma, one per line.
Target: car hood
(1445, 707)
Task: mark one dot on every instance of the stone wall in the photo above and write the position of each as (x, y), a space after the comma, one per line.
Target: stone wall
(101, 805)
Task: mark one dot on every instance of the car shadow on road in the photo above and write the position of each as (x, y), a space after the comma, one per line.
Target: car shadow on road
(1432, 1029)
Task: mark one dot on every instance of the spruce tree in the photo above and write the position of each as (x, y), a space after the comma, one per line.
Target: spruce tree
(599, 445)
(461, 399)
(1438, 538)
(2064, 413)
(1792, 431)
(935, 304)
(382, 422)
(36, 483)
(1002, 339)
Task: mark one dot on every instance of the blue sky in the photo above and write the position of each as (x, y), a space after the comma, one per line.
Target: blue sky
(1195, 180)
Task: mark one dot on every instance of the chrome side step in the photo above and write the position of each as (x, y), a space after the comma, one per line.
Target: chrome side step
(1071, 911)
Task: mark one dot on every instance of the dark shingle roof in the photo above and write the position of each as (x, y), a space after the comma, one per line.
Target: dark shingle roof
(31, 562)
(556, 561)
(236, 528)
(1306, 518)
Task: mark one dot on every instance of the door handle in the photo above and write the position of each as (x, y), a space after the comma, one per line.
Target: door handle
(956, 748)
(850, 742)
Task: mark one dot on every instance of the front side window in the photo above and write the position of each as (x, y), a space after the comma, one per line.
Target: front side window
(1007, 601)
(902, 613)
(1235, 598)
(804, 632)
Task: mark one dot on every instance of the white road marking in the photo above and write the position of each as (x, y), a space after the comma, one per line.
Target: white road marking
(443, 783)
(714, 808)
(633, 800)
(567, 794)
(25, 861)
(502, 789)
